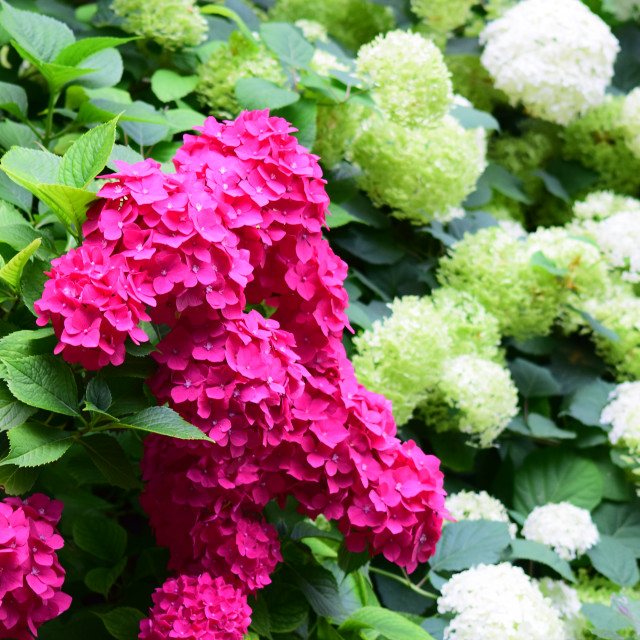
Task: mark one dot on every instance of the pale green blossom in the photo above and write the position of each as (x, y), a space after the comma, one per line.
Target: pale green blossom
(471, 505)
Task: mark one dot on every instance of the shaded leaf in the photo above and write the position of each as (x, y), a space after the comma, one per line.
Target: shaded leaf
(287, 42)
(320, 588)
(615, 561)
(169, 86)
(33, 445)
(533, 380)
(101, 579)
(257, 93)
(17, 480)
(109, 457)
(12, 271)
(390, 624)
(538, 552)
(123, 623)
(102, 537)
(164, 421)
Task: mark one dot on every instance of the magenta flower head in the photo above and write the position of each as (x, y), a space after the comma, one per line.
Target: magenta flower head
(197, 608)
(30, 573)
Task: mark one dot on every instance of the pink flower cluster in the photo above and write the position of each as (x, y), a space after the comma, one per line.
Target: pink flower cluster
(197, 608)
(232, 237)
(30, 574)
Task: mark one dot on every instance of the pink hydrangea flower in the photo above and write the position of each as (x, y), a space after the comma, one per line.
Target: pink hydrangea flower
(30, 574)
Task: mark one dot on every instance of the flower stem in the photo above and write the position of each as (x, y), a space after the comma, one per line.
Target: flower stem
(406, 582)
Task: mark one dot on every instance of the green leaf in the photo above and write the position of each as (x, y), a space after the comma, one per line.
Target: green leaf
(498, 178)
(32, 283)
(18, 480)
(471, 118)
(469, 542)
(603, 618)
(597, 327)
(30, 166)
(28, 342)
(338, 217)
(13, 134)
(357, 314)
(58, 75)
(287, 42)
(184, 119)
(164, 421)
(12, 411)
(552, 184)
(102, 537)
(88, 156)
(42, 37)
(123, 154)
(12, 271)
(101, 579)
(123, 623)
(107, 454)
(538, 552)
(349, 561)
(257, 93)
(533, 380)
(45, 382)
(260, 622)
(98, 394)
(538, 259)
(620, 522)
(320, 588)
(13, 99)
(169, 85)
(288, 608)
(305, 529)
(544, 428)
(109, 67)
(375, 247)
(587, 402)
(615, 561)
(73, 54)
(69, 204)
(33, 445)
(390, 624)
(303, 116)
(554, 475)
(14, 193)
(19, 236)
(101, 110)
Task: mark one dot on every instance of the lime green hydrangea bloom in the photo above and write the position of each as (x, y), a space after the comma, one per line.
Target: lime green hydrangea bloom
(599, 205)
(227, 64)
(173, 24)
(419, 172)
(443, 16)
(618, 310)
(336, 126)
(631, 121)
(402, 355)
(599, 141)
(471, 80)
(351, 22)
(474, 396)
(412, 84)
(494, 268)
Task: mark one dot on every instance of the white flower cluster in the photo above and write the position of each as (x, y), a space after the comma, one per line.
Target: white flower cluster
(469, 505)
(498, 601)
(566, 602)
(412, 81)
(554, 56)
(567, 529)
(623, 414)
(614, 223)
(484, 394)
(623, 9)
(630, 120)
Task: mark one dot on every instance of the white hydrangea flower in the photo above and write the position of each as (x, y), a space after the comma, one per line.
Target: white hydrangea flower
(623, 9)
(623, 414)
(599, 205)
(484, 394)
(313, 30)
(554, 56)
(412, 82)
(469, 505)
(630, 119)
(567, 529)
(566, 602)
(449, 214)
(492, 602)
(513, 228)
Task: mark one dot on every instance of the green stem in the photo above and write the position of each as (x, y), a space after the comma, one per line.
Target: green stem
(406, 583)
(48, 128)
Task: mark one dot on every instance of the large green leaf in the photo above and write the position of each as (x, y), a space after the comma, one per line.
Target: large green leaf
(554, 475)
(287, 42)
(320, 588)
(17, 480)
(109, 70)
(88, 156)
(33, 445)
(533, 380)
(258, 93)
(621, 522)
(70, 204)
(587, 402)
(169, 86)
(101, 579)
(45, 382)
(100, 536)
(13, 99)
(12, 411)
(123, 623)
(12, 271)
(288, 608)
(538, 552)
(14, 193)
(58, 75)
(27, 342)
(42, 37)
(30, 166)
(78, 51)
(390, 624)
(470, 542)
(164, 421)
(615, 561)
(107, 454)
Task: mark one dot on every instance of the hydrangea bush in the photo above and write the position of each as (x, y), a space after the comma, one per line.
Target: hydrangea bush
(356, 357)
